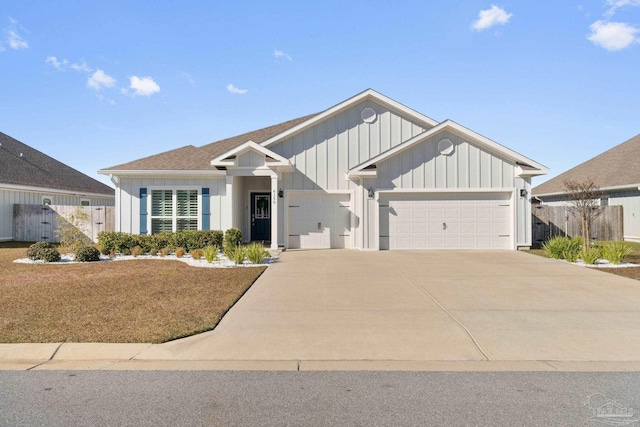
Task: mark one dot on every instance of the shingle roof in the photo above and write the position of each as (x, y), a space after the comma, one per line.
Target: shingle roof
(615, 167)
(199, 158)
(26, 166)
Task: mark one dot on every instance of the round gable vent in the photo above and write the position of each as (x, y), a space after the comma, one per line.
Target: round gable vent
(368, 115)
(445, 146)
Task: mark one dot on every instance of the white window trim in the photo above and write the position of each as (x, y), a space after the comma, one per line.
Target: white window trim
(174, 195)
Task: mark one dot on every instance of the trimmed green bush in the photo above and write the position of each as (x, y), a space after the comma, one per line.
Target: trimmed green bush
(116, 240)
(154, 243)
(615, 252)
(43, 251)
(232, 238)
(256, 252)
(86, 254)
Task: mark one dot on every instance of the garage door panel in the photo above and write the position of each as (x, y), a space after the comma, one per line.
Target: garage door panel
(438, 221)
(319, 221)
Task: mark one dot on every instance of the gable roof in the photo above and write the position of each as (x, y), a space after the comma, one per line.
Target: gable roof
(191, 158)
(528, 166)
(367, 94)
(229, 157)
(616, 167)
(23, 166)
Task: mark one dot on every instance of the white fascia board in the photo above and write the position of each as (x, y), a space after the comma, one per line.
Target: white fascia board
(30, 189)
(361, 174)
(450, 125)
(249, 146)
(121, 173)
(367, 94)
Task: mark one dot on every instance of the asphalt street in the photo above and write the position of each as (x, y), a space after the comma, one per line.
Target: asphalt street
(92, 398)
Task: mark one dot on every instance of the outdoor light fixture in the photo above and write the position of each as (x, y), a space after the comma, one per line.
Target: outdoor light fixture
(280, 193)
(523, 192)
(371, 194)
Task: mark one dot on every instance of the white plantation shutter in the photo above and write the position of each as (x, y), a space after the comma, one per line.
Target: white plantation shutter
(162, 203)
(187, 203)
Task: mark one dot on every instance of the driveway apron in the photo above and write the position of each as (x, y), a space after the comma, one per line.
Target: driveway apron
(423, 306)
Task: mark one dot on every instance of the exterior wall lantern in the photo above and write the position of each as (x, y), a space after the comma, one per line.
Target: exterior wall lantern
(523, 192)
(371, 193)
(280, 193)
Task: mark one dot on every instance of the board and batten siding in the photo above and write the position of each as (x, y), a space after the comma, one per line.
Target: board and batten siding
(9, 197)
(322, 154)
(468, 167)
(128, 200)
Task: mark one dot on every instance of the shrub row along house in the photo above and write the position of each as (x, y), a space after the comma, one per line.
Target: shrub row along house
(28, 176)
(367, 173)
(616, 173)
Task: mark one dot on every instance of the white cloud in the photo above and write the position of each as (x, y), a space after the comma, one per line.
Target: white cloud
(613, 35)
(490, 17)
(55, 63)
(99, 80)
(278, 54)
(232, 89)
(143, 86)
(614, 5)
(12, 37)
(81, 67)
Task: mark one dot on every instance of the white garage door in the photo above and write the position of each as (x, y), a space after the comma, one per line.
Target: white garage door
(319, 221)
(445, 221)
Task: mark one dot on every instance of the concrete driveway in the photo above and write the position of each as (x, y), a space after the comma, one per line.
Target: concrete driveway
(347, 305)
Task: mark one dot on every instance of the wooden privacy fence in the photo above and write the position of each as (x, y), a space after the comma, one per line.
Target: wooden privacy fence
(33, 223)
(549, 221)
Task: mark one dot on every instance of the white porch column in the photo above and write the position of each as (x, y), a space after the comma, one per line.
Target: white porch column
(274, 212)
(229, 209)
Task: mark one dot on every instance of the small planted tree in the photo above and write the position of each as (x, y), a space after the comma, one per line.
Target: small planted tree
(584, 204)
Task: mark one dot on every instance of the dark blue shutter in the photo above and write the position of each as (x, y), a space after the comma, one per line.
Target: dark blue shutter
(143, 211)
(206, 209)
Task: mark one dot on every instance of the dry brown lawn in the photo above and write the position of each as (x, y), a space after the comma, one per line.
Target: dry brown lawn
(134, 301)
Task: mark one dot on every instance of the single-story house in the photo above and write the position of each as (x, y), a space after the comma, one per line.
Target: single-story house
(367, 173)
(28, 176)
(616, 172)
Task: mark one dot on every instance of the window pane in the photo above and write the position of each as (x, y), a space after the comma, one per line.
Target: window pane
(187, 203)
(161, 203)
(159, 225)
(187, 224)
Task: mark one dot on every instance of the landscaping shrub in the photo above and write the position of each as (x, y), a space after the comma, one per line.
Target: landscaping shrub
(590, 255)
(180, 252)
(154, 243)
(562, 247)
(210, 253)
(615, 252)
(136, 251)
(164, 251)
(196, 253)
(232, 238)
(256, 253)
(86, 254)
(239, 254)
(43, 251)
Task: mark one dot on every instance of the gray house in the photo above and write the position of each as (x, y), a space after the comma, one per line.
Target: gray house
(616, 172)
(28, 176)
(367, 173)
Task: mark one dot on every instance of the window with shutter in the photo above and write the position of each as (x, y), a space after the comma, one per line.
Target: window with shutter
(173, 210)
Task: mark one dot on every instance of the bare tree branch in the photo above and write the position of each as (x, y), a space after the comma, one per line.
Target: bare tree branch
(584, 198)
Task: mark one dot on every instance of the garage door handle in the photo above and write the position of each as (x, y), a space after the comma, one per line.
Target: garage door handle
(319, 226)
(444, 225)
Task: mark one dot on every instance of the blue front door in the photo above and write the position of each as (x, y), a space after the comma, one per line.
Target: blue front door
(261, 217)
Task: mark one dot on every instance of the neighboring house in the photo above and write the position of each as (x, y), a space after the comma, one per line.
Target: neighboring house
(28, 176)
(616, 172)
(368, 173)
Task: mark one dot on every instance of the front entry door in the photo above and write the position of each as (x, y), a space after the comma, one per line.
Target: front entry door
(261, 216)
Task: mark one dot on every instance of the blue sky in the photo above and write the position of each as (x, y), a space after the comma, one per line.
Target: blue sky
(95, 84)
